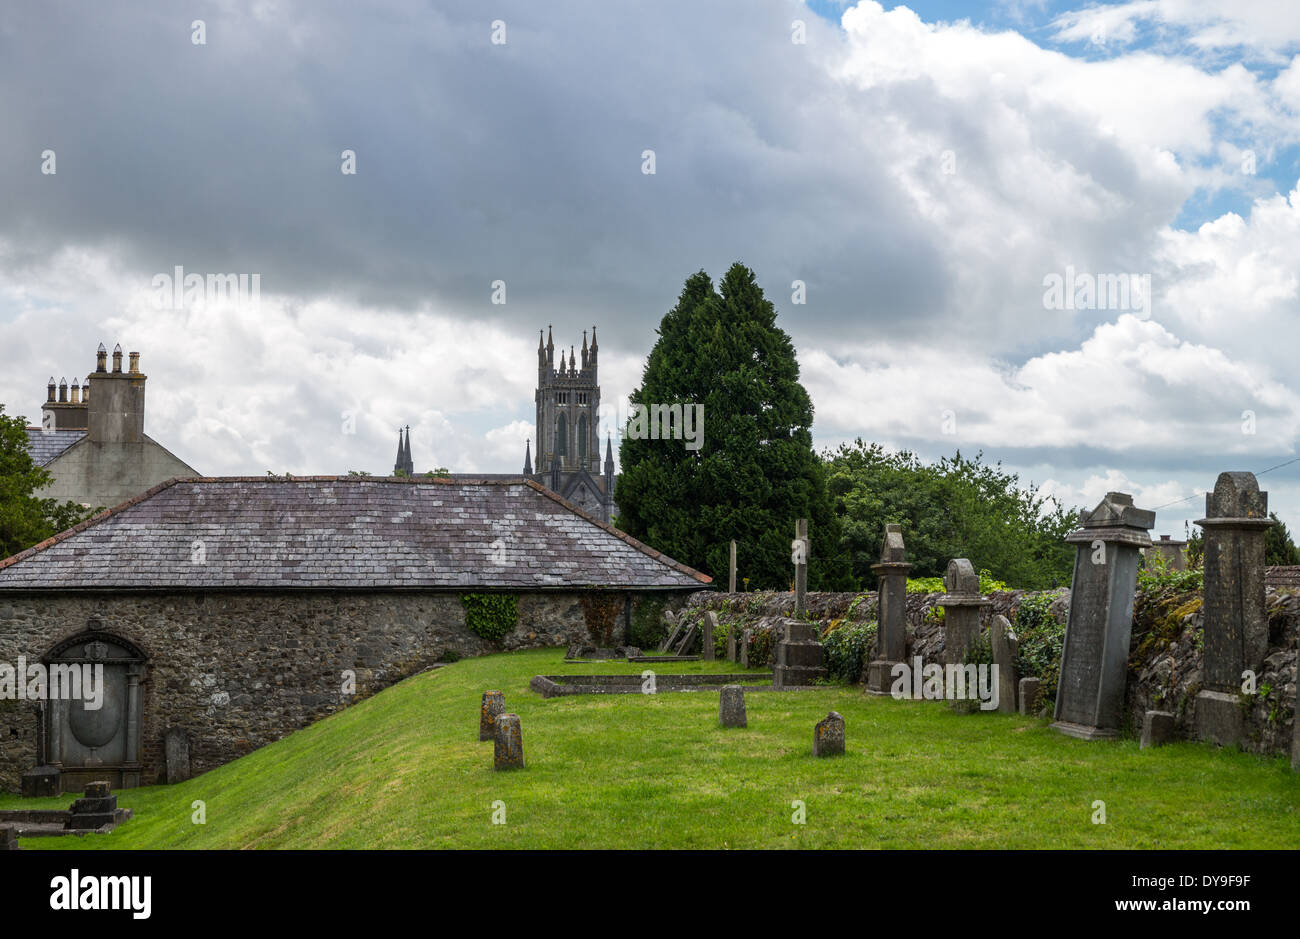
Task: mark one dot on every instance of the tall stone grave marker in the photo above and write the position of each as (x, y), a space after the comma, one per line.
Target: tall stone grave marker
(891, 635)
(731, 568)
(1236, 626)
(1094, 663)
(799, 655)
(1005, 647)
(961, 604)
(710, 631)
(799, 554)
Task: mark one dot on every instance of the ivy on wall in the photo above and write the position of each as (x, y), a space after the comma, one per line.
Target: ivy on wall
(599, 611)
(492, 616)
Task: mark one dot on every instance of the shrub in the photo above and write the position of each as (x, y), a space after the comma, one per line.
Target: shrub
(492, 616)
(846, 649)
(1042, 640)
(935, 584)
(648, 628)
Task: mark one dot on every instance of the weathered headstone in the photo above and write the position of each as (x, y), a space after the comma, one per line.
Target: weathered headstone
(731, 642)
(9, 839)
(891, 634)
(731, 567)
(176, 755)
(744, 647)
(800, 548)
(97, 808)
(41, 781)
(799, 655)
(1094, 662)
(1157, 728)
(493, 706)
(687, 643)
(708, 646)
(675, 628)
(1030, 689)
(731, 707)
(961, 621)
(1236, 626)
(508, 746)
(828, 736)
(1005, 647)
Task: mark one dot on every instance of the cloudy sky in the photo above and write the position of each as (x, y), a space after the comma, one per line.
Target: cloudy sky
(926, 170)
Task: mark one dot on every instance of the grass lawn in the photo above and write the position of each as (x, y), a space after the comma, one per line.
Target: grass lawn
(405, 769)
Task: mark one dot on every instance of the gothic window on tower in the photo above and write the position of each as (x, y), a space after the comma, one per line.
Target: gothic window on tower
(582, 437)
(582, 397)
(561, 437)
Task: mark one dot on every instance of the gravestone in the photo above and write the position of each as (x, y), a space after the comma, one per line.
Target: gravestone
(731, 707)
(828, 736)
(799, 656)
(674, 632)
(731, 642)
(1236, 626)
(799, 554)
(176, 755)
(891, 634)
(9, 839)
(1005, 647)
(731, 568)
(1094, 662)
(1029, 691)
(41, 781)
(687, 642)
(493, 706)
(708, 647)
(1157, 728)
(508, 744)
(961, 604)
(744, 647)
(97, 808)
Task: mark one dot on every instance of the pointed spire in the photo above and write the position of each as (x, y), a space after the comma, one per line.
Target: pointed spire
(573, 359)
(584, 350)
(609, 455)
(594, 347)
(561, 361)
(528, 458)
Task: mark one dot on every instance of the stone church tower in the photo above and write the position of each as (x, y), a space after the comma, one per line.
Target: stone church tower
(568, 433)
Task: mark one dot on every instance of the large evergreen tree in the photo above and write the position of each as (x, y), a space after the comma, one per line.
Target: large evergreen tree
(25, 519)
(755, 472)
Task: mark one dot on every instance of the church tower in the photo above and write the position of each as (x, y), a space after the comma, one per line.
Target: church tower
(568, 406)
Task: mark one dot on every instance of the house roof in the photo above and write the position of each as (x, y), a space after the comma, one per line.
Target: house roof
(45, 445)
(344, 533)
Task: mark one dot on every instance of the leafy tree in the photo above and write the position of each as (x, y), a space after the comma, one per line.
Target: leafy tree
(956, 507)
(25, 518)
(755, 471)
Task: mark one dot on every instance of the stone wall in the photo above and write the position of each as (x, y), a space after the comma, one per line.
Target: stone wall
(238, 671)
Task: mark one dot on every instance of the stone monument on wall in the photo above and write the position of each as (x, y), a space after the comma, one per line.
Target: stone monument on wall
(891, 634)
(1236, 625)
(1094, 662)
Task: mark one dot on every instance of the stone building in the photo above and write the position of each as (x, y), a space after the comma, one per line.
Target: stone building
(92, 440)
(567, 403)
(232, 611)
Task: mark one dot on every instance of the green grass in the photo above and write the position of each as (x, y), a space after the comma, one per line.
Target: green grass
(405, 769)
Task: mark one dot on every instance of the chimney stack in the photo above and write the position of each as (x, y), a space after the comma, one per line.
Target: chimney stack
(115, 414)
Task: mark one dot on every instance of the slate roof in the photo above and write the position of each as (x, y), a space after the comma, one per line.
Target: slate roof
(341, 533)
(44, 446)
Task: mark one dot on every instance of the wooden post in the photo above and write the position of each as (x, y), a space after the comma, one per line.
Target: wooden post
(731, 579)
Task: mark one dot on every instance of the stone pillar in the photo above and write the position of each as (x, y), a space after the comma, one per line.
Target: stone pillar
(799, 554)
(891, 633)
(744, 648)
(731, 642)
(508, 745)
(1005, 648)
(961, 610)
(731, 707)
(799, 655)
(828, 736)
(493, 706)
(1094, 662)
(710, 630)
(1236, 626)
(731, 576)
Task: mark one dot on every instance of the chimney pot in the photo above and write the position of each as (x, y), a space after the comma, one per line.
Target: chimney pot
(49, 390)
(117, 359)
(63, 391)
(135, 363)
(101, 358)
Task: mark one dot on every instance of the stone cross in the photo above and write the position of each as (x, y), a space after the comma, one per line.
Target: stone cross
(1005, 647)
(828, 736)
(731, 577)
(1236, 626)
(493, 706)
(710, 630)
(508, 748)
(731, 707)
(1094, 662)
(799, 554)
(891, 635)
